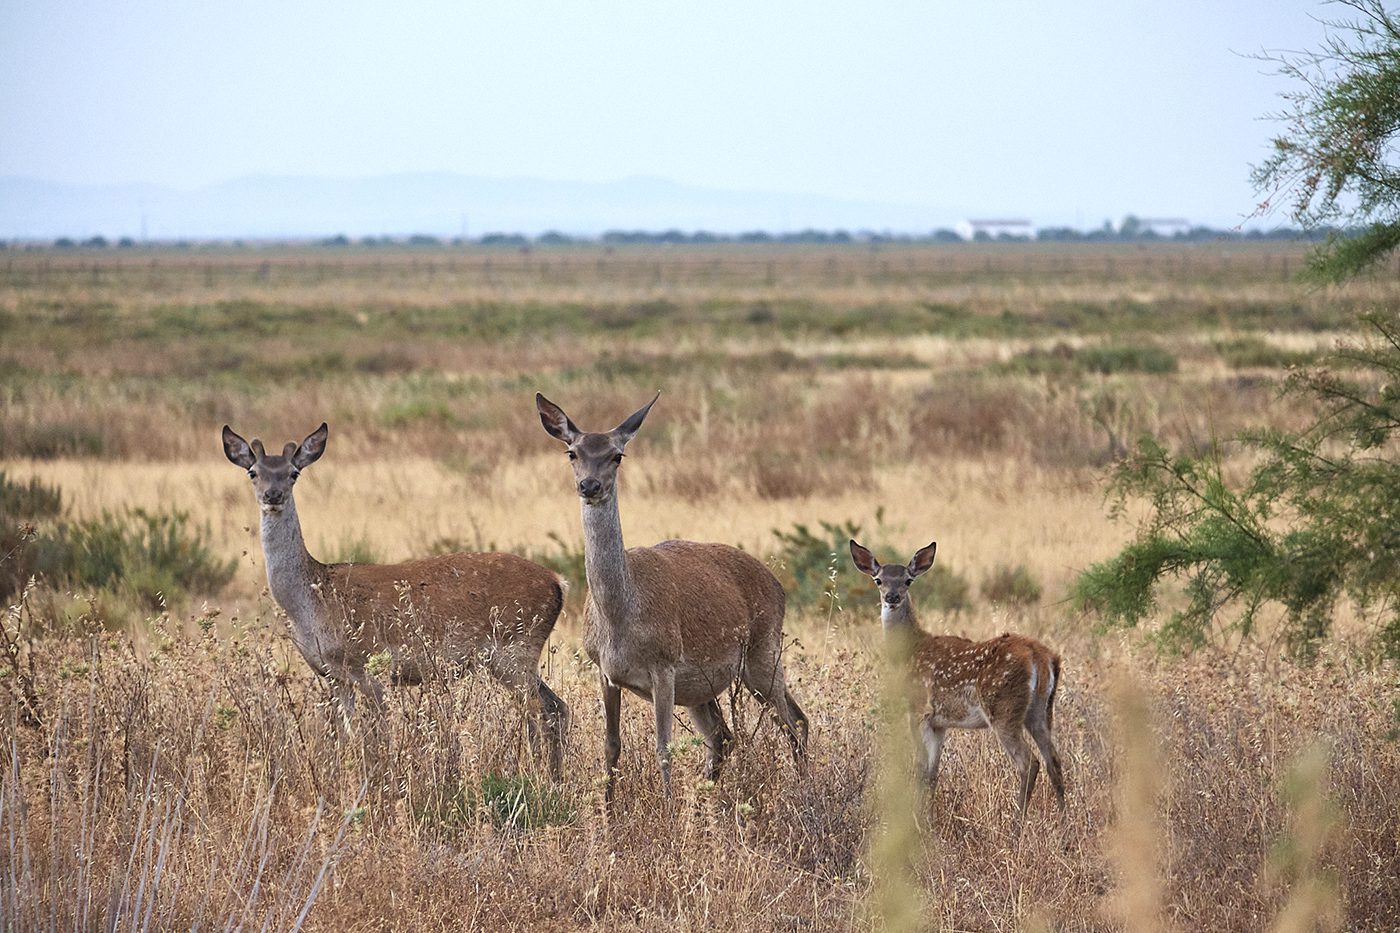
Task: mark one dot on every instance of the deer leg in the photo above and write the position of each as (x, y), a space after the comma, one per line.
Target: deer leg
(612, 733)
(1013, 740)
(710, 722)
(343, 699)
(525, 684)
(801, 719)
(556, 722)
(663, 697)
(1038, 725)
(763, 674)
(933, 752)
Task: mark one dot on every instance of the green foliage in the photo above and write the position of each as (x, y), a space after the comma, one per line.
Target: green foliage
(1011, 585)
(566, 559)
(1104, 360)
(154, 557)
(1255, 353)
(515, 802)
(815, 566)
(30, 500)
(1335, 161)
(1314, 521)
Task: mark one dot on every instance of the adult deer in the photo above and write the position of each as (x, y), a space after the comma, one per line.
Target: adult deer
(678, 622)
(456, 610)
(1007, 683)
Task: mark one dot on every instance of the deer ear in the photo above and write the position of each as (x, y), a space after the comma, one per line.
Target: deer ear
(624, 432)
(922, 559)
(555, 421)
(310, 449)
(865, 561)
(237, 449)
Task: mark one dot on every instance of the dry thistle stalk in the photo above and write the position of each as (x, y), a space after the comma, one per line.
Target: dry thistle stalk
(1312, 899)
(896, 902)
(1136, 837)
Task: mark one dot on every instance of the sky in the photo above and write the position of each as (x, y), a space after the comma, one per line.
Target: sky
(1065, 113)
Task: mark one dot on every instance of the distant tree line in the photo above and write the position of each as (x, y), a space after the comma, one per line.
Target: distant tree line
(1129, 230)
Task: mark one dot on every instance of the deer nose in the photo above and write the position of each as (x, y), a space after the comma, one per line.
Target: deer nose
(272, 496)
(892, 599)
(588, 488)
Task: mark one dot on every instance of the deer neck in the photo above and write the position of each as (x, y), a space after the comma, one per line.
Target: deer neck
(292, 573)
(899, 619)
(610, 583)
(901, 631)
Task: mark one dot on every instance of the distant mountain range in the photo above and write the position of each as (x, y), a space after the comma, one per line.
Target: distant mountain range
(437, 204)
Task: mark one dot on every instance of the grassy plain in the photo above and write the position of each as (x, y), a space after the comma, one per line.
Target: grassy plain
(186, 768)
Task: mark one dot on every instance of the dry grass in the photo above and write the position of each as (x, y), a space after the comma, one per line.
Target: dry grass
(211, 762)
(187, 769)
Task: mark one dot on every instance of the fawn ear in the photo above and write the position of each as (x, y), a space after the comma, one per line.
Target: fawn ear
(558, 424)
(624, 432)
(865, 561)
(310, 449)
(237, 449)
(922, 559)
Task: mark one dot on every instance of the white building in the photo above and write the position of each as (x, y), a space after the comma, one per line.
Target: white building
(996, 229)
(1164, 226)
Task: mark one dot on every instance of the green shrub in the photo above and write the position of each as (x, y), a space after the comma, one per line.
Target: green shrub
(28, 501)
(1144, 358)
(1254, 353)
(515, 802)
(566, 559)
(1105, 360)
(1309, 527)
(1011, 585)
(154, 556)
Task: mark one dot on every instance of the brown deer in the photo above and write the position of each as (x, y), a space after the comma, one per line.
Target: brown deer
(678, 622)
(457, 611)
(1006, 683)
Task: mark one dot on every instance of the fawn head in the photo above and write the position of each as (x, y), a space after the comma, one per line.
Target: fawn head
(274, 475)
(892, 580)
(595, 457)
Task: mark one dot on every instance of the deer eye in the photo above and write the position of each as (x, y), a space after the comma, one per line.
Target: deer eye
(572, 455)
(252, 474)
(617, 458)
(909, 582)
(295, 474)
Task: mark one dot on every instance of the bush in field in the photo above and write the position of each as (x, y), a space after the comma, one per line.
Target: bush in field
(507, 801)
(1011, 585)
(155, 557)
(30, 500)
(1105, 360)
(24, 509)
(1252, 352)
(1314, 523)
(152, 556)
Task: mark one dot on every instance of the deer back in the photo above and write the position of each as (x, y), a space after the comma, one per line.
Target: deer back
(454, 603)
(999, 675)
(701, 602)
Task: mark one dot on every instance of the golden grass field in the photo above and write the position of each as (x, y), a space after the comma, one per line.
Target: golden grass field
(186, 768)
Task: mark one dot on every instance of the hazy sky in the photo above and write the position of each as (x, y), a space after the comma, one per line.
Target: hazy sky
(1061, 112)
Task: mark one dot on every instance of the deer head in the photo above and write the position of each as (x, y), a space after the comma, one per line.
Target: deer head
(274, 475)
(893, 580)
(595, 456)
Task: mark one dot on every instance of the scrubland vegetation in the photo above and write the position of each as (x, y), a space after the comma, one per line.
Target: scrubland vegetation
(169, 759)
